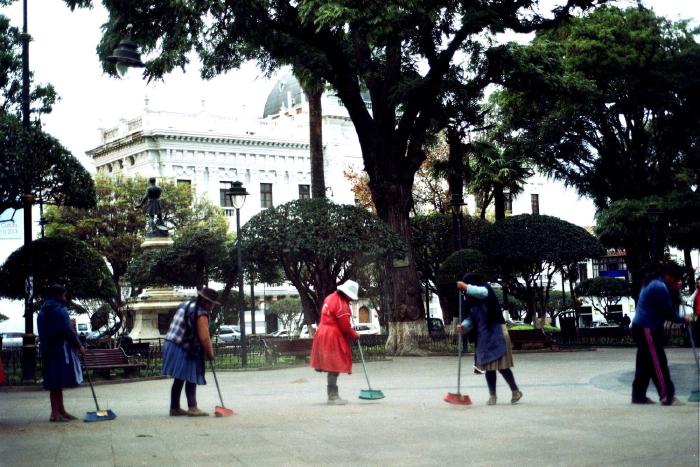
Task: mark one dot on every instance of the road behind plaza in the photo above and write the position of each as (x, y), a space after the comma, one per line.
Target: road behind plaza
(575, 411)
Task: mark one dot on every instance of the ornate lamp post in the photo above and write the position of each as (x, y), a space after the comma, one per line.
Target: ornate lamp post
(29, 339)
(237, 194)
(126, 55)
(653, 213)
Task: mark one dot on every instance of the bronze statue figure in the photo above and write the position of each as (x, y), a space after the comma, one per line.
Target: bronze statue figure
(154, 212)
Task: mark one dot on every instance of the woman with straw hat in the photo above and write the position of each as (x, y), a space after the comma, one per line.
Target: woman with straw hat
(331, 347)
(186, 345)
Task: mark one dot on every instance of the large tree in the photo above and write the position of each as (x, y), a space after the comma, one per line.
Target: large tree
(401, 53)
(610, 104)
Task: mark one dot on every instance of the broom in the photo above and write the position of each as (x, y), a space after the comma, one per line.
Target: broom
(695, 395)
(220, 410)
(369, 394)
(458, 398)
(98, 415)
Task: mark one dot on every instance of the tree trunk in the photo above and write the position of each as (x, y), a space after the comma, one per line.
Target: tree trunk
(318, 183)
(499, 201)
(688, 260)
(393, 200)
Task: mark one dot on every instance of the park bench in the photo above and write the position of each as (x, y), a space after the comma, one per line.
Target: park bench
(299, 348)
(530, 338)
(102, 361)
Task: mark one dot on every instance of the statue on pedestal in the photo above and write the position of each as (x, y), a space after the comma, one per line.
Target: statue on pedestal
(154, 213)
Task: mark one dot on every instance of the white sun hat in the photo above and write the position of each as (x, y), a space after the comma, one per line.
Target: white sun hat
(350, 289)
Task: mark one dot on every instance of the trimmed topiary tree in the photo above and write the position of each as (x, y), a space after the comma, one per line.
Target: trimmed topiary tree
(61, 260)
(319, 245)
(526, 251)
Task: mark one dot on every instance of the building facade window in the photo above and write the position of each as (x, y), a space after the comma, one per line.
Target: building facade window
(304, 191)
(535, 203)
(224, 201)
(265, 195)
(582, 271)
(182, 181)
(610, 266)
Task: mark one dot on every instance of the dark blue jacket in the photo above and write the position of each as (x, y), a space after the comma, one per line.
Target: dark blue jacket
(654, 306)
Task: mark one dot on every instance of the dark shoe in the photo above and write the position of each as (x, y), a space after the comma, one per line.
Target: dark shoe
(195, 412)
(517, 395)
(492, 400)
(334, 397)
(58, 419)
(177, 412)
(645, 401)
(68, 416)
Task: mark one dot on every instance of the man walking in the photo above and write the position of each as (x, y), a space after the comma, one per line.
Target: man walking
(655, 306)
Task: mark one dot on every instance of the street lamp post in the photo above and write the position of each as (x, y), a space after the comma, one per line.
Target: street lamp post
(29, 339)
(237, 194)
(653, 213)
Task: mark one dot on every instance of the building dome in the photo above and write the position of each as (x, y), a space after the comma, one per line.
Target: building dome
(286, 94)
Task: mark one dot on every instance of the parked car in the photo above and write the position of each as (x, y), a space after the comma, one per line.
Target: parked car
(281, 333)
(304, 334)
(366, 328)
(12, 340)
(228, 333)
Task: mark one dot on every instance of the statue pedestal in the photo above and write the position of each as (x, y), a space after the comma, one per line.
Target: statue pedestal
(154, 304)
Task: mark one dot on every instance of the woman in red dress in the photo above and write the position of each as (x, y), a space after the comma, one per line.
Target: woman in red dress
(331, 348)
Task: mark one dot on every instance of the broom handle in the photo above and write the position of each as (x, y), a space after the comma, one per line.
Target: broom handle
(216, 380)
(362, 358)
(87, 374)
(692, 344)
(459, 342)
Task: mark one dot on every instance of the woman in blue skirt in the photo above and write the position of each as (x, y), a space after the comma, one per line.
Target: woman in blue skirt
(59, 351)
(186, 345)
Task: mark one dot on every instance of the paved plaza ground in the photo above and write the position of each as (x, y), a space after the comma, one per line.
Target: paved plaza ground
(575, 411)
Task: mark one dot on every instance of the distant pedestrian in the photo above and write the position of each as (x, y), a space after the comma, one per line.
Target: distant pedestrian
(60, 347)
(187, 343)
(656, 305)
(331, 350)
(493, 348)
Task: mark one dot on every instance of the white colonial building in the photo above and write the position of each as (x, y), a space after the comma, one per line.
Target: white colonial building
(270, 155)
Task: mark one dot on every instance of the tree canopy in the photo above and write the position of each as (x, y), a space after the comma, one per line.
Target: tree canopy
(610, 104)
(603, 292)
(60, 260)
(527, 250)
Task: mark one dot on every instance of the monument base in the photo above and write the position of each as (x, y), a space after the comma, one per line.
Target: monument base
(153, 312)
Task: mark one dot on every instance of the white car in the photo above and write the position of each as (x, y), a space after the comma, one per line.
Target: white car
(281, 333)
(228, 333)
(12, 340)
(366, 328)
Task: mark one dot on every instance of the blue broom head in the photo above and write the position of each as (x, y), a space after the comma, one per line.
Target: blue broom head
(371, 394)
(100, 416)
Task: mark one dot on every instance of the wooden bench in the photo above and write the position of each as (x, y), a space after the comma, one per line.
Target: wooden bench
(529, 338)
(104, 360)
(299, 348)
